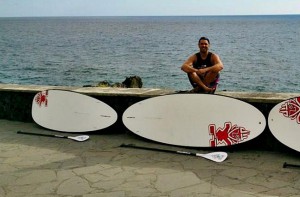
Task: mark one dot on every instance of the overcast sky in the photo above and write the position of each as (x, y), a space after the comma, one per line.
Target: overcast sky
(20, 8)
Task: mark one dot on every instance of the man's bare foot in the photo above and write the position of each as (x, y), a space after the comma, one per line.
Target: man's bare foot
(200, 90)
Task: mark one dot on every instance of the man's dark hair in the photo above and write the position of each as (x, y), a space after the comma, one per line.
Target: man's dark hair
(204, 38)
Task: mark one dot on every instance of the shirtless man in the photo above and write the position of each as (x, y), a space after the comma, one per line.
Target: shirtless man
(203, 68)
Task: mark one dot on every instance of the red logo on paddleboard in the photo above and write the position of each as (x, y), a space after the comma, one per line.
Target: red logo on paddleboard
(41, 98)
(228, 135)
(291, 109)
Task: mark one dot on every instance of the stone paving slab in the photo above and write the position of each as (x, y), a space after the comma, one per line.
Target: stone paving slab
(36, 166)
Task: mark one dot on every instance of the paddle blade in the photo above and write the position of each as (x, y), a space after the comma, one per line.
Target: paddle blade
(80, 138)
(214, 156)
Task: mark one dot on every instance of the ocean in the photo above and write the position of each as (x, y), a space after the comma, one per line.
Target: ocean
(259, 53)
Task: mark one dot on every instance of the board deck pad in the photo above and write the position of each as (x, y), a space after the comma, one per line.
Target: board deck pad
(69, 111)
(284, 122)
(195, 120)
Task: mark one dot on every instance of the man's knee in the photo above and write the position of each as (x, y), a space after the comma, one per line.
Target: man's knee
(211, 77)
(194, 76)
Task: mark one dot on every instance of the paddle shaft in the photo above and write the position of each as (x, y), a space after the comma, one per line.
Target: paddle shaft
(286, 165)
(39, 134)
(157, 149)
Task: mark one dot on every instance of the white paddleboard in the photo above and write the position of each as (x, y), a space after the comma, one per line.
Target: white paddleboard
(69, 111)
(195, 120)
(284, 122)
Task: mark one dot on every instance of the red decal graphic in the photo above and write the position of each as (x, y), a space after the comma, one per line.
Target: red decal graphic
(41, 98)
(229, 135)
(291, 109)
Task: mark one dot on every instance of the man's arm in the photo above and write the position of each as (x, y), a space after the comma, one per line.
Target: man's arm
(187, 66)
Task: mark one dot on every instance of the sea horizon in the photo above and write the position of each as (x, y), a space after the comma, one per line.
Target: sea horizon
(96, 16)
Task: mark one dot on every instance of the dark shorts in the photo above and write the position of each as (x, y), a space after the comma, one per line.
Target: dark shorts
(213, 84)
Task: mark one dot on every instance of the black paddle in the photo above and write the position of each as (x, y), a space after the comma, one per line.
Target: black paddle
(287, 165)
(80, 138)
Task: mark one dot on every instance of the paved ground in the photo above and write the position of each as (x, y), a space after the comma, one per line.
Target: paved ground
(40, 166)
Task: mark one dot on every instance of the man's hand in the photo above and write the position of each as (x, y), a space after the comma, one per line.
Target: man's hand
(201, 71)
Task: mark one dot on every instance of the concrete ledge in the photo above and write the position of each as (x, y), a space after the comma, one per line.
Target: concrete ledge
(251, 97)
(93, 91)
(260, 97)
